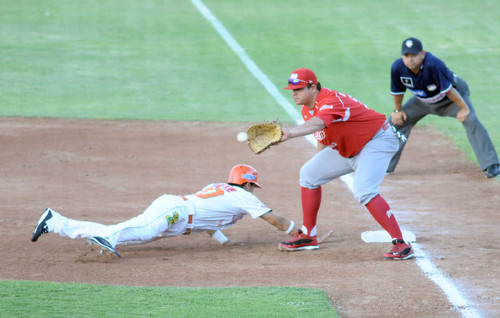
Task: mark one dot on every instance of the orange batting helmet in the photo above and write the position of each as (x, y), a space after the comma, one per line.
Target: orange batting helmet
(242, 173)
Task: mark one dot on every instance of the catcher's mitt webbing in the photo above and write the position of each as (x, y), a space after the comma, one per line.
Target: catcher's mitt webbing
(263, 135)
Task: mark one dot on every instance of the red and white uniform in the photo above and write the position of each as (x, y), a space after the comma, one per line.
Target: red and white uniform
(358, 139)
(216, 207)
(349, 123)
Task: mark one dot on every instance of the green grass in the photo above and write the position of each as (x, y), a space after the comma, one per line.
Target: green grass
(120, 59)
(161, 60)
(43, 299)
(351, 46)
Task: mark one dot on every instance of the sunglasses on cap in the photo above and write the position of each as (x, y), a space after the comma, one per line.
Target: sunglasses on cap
(295, 81)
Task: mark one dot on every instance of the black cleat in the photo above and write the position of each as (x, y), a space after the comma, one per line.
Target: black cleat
(492, 171)
(103, 245)
(42, 226)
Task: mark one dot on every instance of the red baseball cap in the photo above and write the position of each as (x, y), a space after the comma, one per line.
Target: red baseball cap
(300, 78)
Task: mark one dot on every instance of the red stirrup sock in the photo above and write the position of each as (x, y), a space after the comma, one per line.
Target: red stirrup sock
(381, 212)
(311, 200)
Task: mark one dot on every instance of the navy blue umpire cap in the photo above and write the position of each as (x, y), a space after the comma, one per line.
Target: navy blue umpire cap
(412, 46)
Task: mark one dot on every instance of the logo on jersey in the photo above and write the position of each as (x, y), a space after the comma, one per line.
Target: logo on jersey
(389, 213)
(171, 219)
(320, 135)
(407, 81)
(431, 87)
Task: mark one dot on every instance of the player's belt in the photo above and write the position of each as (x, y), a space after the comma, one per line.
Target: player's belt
(190, 218)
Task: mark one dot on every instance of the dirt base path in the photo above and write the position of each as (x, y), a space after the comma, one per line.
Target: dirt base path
(109, 171)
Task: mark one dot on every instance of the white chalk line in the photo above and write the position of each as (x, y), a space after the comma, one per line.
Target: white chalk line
(429, 269)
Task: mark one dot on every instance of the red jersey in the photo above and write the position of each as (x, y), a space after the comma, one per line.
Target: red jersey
(349, 123)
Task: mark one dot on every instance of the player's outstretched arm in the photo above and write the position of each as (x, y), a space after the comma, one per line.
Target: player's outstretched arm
(279, 222)
(309, 127)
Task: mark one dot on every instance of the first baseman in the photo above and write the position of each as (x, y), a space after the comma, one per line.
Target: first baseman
(214, 208)
(436, 90)
(351, 138)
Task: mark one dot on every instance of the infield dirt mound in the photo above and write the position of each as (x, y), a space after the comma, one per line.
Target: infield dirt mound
(109, 171)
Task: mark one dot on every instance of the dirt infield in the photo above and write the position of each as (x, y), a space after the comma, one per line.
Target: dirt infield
(109, 171)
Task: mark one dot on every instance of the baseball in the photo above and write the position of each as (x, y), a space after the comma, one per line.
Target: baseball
(242, 137)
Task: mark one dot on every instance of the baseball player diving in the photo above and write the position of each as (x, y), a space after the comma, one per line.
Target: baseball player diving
(436, 90)
(214, 208)
(351, 138)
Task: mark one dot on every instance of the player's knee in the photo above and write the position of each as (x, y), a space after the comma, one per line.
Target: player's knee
(305, 178)
(365, 198)
(310, 177)
(471, 120)
(305, 183)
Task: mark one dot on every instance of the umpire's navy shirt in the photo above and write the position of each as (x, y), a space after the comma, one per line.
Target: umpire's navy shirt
(430, 85)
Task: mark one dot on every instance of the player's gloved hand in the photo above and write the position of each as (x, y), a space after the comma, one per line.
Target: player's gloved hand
(398, 118)
(263, 135)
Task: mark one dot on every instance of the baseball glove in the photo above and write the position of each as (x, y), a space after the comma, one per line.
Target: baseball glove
(263, 135)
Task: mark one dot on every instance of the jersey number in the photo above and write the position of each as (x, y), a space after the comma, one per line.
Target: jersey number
(209, 193)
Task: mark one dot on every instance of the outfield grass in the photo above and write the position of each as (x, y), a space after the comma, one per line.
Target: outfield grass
(122, 60)
(44, 299)
(161, 60)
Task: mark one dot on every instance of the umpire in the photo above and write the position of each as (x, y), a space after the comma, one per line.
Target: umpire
(436, 90)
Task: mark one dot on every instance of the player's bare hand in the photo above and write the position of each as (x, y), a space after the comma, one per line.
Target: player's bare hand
(323, 237)
(462, 115)
(398, 118)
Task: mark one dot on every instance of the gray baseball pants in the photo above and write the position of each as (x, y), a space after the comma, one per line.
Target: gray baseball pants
(369, 166)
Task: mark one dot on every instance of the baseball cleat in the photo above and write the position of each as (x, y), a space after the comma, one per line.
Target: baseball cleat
(492, 171)
(97, 243)
(299, 242)
(42, 227)
(400, 250)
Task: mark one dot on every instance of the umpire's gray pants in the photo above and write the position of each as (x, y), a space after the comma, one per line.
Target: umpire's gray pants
(478, 136)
